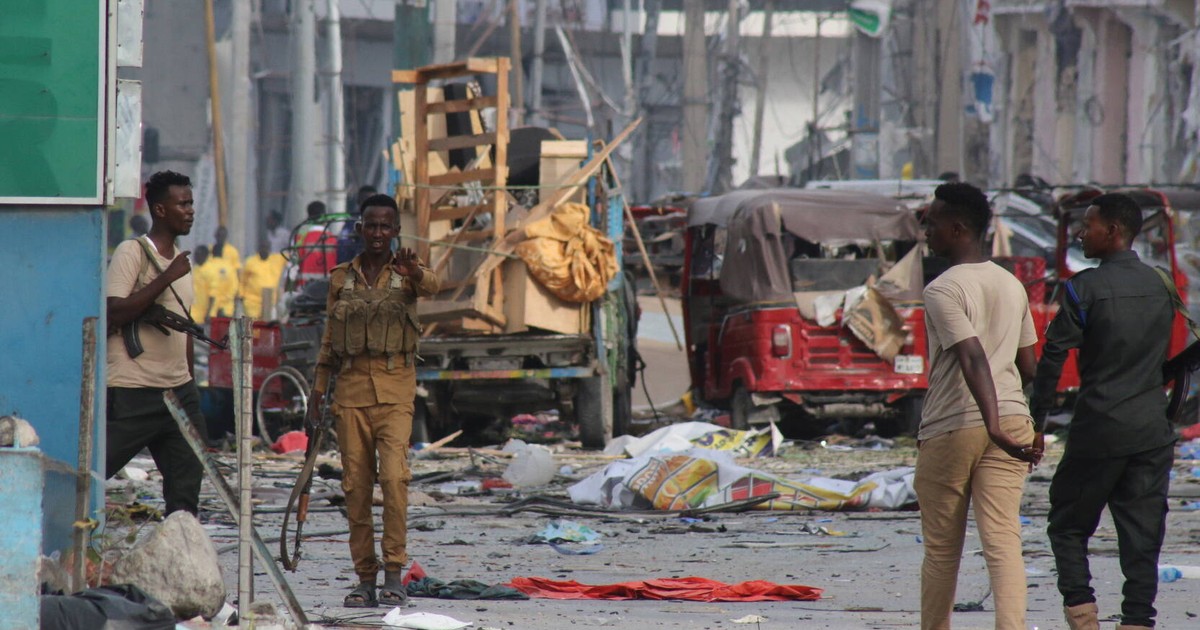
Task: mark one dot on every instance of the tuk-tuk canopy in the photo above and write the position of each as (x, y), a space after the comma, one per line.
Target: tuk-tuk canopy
(814, 215)
(755, 266)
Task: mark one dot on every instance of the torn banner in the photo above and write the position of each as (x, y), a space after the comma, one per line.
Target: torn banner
(682, 436)
(701, 478)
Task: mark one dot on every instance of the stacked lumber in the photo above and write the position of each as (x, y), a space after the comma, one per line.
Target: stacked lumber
(457, 211)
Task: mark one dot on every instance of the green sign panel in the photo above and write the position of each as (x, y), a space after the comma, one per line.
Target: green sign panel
(51, 101)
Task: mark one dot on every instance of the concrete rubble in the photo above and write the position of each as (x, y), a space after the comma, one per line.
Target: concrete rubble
(176, 563)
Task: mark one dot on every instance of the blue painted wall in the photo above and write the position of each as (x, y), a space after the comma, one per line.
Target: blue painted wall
(53, 261)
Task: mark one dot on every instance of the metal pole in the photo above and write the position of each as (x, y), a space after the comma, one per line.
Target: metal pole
(87, 402)
(760, 104)
(214, 93)
(721, 169)
(518, 75)
(243, 223)
(535, 73)
(301, 187)
(335, 141)
(695, 98)
(640, 155)
(243, 396)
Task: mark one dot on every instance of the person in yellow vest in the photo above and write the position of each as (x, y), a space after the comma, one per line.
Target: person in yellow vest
(260, 272)
(200, 282)
(222, 278)
(226, 251)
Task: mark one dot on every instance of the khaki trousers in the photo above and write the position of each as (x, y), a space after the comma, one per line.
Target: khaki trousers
(964, 468)
(361, 432)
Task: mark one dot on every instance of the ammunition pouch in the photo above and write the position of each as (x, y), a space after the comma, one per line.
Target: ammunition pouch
(379, 322)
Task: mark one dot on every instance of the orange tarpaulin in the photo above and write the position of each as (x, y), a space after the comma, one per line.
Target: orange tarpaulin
(688, 589)
(568, 256)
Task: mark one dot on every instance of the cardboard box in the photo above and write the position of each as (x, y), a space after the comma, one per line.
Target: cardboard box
(528, 304)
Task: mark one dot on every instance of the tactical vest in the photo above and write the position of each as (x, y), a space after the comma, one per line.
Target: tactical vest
(378, 322)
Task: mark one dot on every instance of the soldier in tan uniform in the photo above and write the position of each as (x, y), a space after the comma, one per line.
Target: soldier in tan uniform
(370, 342)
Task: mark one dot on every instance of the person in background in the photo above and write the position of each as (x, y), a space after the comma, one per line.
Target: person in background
(976, 441)
(221, 276)
(138, 226)
(1120, 443)
(317, 249)
(277, 234)
(260, 273)
(200, 285)
(349, 243)
(225, 251)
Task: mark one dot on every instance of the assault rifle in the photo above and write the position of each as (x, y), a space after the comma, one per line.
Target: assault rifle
(165, 321)
(1179, 369)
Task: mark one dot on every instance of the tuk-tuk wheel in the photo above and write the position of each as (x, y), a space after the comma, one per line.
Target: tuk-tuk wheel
(741, 407)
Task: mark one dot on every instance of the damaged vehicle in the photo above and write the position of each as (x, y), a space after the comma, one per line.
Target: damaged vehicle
(805, 305)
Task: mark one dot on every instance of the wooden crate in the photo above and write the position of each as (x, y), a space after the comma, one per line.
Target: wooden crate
(528, 304)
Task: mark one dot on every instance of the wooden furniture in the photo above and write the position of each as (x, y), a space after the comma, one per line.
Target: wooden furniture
(477, 304)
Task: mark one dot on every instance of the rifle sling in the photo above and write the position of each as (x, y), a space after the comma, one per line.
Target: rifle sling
(150, 255)
(301, 489)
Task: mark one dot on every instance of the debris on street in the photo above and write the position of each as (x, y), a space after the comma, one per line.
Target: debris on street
(684, 589)
(699, 477)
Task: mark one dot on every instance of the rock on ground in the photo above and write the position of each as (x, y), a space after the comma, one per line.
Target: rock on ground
(177, 564)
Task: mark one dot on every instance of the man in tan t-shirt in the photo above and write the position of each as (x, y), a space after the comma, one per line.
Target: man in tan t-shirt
(143, 272)
(976, 441)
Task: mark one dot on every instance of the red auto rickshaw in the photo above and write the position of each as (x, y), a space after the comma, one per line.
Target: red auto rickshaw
(774, 281)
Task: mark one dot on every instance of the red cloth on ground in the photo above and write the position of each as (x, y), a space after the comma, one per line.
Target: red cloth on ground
(291, 442)
(688, 589)
(415, 572)
(1189, 433)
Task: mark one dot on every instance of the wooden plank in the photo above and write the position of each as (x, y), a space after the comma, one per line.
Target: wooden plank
(465, 236)
(440, 311)
(491, 65)
(450, 213)
(405, 76)
(474, 65)
(461, 177)
(463, 105)
(421, 166)
(462, 142)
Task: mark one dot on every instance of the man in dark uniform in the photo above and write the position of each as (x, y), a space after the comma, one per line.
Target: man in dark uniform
(1120, 444)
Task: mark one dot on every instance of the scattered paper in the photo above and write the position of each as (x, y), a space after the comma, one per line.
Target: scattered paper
(422, 621)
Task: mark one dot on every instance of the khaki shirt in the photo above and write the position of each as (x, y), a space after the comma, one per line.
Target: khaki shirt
(367, 380)
(979, 300)
(164, 362)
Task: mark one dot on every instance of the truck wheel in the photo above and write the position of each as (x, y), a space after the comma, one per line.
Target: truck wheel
(741, 407)
(590, 415)
(622, 407)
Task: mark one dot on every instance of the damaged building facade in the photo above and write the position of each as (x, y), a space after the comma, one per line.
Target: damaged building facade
(1078, 91)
